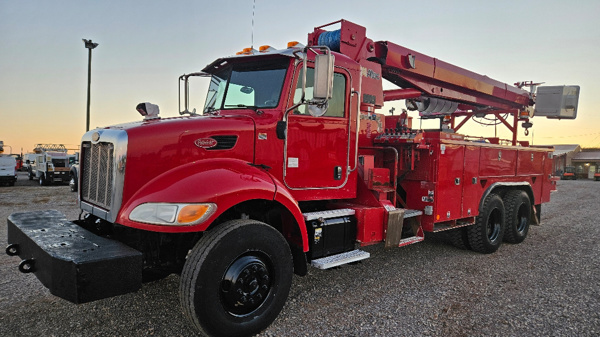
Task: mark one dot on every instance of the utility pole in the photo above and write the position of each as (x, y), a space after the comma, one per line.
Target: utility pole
(89, 45)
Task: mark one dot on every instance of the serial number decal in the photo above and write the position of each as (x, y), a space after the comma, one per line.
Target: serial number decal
(369, 73)
(205, 143)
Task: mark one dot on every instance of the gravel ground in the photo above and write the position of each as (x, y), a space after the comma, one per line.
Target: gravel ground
(547, 286)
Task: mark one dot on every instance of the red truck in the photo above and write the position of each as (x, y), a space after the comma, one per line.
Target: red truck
(290, 164)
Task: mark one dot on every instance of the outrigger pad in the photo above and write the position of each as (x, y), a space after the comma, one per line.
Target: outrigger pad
(72, 262)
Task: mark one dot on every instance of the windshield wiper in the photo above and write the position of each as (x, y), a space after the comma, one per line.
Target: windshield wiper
(211, 110)
(253, 107)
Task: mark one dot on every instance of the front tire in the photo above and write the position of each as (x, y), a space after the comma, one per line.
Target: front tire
(518, 216)
(42, 180)
(485, 236)
(236, 279)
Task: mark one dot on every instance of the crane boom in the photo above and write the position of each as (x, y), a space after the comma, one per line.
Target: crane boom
(434, 79)
(410, 69)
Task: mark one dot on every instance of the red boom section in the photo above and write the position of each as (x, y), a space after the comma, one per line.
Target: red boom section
(410, 69)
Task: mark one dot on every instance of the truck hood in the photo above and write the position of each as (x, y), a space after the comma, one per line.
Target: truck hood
(160, 145)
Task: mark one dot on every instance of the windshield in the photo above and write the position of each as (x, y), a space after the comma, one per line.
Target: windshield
(59, 162)
(255, 85)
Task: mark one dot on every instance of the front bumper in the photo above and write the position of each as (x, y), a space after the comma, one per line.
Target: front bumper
(72, 262)
(59, 177)
(8, 178)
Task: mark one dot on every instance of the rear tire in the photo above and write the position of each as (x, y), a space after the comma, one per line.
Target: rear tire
(485, 236)
(236, 279)
(459, 238)
(518, 216)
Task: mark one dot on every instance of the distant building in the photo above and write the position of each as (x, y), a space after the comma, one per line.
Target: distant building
(586, 162)
(563, 156)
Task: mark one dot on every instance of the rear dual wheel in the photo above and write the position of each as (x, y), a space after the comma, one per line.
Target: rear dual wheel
(236, 279)
(518, 216)
(485, 236)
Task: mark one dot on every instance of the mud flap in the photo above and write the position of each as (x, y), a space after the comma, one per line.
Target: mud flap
(72, 262)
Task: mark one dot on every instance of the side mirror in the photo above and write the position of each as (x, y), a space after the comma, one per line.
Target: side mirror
(323, 76)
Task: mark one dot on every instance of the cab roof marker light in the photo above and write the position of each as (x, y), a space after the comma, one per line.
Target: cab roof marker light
(265, 48)
(295, 44)
(247, 51)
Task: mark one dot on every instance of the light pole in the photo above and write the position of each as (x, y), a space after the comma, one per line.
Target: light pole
(89, 45)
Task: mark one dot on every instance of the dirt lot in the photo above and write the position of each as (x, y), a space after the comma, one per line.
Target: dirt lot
(547, 286)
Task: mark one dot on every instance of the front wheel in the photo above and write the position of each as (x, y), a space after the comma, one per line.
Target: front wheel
(236, 279)
(42, 180)
(485, 236)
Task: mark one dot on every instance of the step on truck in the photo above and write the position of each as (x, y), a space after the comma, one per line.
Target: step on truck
(290, 165)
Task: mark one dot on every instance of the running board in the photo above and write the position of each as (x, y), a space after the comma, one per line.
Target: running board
(340, 259)
(410, 240)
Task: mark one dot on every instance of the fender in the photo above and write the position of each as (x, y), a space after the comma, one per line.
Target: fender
(225, 182)
(526, 186)
(285, 198)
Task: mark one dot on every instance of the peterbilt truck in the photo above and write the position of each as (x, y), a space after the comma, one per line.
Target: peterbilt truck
(290, 166)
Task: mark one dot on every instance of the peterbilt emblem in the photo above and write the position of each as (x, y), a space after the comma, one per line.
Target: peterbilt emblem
(205, 143)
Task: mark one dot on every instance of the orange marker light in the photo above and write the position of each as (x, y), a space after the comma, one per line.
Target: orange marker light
(264, 48)
(192, 213)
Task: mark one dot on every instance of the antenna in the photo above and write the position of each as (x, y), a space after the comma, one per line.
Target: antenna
(252, 39)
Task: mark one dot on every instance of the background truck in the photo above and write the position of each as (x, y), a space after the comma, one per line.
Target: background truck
(8, 168)
(52, 164)
(290, 164)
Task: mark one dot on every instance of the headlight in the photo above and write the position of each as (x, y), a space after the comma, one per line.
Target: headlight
(172, 214)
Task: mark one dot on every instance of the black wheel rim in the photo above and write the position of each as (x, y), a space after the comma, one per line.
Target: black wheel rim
(522, 218)
(493, 225)
(245, 285)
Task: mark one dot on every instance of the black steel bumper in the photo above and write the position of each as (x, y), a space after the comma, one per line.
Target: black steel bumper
(74, 263)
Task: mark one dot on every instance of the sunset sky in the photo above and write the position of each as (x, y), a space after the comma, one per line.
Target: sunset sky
(146, 45)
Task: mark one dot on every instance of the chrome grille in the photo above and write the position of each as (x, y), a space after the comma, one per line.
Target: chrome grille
(97, 173)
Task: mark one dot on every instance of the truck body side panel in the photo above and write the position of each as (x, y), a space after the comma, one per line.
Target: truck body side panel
(448, 199)
(471, 185)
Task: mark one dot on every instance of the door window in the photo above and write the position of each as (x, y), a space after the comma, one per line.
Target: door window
(336, 103)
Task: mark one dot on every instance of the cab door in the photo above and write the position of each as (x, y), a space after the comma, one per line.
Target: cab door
(317, 148)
